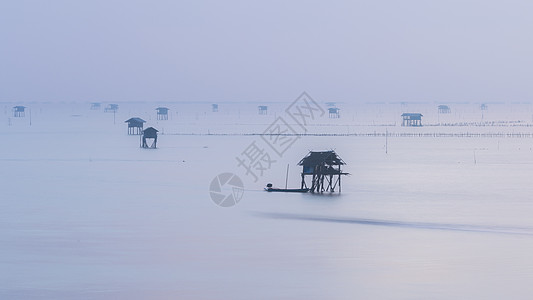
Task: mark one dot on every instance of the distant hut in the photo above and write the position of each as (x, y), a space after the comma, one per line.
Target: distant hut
(149, 133)
(484, 106)
(324, 168)
(214, 107)
(412, 119)
(444, 109)
(95, 106)
(19, 111)
(111, 108)
(135, 126)
(263, 109)
(162, 113)
(334, 113)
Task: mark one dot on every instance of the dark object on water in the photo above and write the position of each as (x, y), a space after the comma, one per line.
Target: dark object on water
(111, 108)
(18, 111)
(334, 112)
(287, 190)
(324, 167)
(444, 109)
(412, 119)
(262, 109)
(269, 188)
(149, 133)
(135, 125)
(162, 113)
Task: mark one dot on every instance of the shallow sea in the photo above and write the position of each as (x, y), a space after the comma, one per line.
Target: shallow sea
(86, 214)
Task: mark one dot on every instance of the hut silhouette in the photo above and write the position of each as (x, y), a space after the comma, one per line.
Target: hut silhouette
(334, 113)
(262, 109)
(214, 107)
(162, 113)
(95, 105)
(111, 108)
(19, 111)
(149, 133)
(484, 106)
(412, 119)
(444, 109)
(324, 168)
(135, 125)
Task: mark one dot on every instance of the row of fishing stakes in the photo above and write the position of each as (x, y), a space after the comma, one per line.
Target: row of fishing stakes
(135, 125)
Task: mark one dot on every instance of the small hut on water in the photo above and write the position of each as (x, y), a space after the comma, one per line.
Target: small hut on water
(334, 113)
(214, 107)
(111, 108)
(19, 111)
(149, 133)
(412, 119)
(444, 109)
(324, 168)
(162, 113)
(263, 109)
(135, 126)
(95, 106)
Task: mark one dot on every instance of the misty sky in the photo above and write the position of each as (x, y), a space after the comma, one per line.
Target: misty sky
(120, 50)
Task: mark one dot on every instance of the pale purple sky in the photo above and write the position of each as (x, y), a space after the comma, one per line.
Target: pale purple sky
(266, 50)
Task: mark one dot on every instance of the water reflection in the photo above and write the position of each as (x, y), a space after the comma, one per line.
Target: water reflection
(392, 223)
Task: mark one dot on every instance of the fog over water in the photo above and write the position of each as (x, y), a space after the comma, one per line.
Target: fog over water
(87, 214)
(363, 51)
(438, 211)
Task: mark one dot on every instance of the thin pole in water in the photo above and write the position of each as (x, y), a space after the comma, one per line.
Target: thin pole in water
(386, 141)
(114, 111)
(287, 177)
